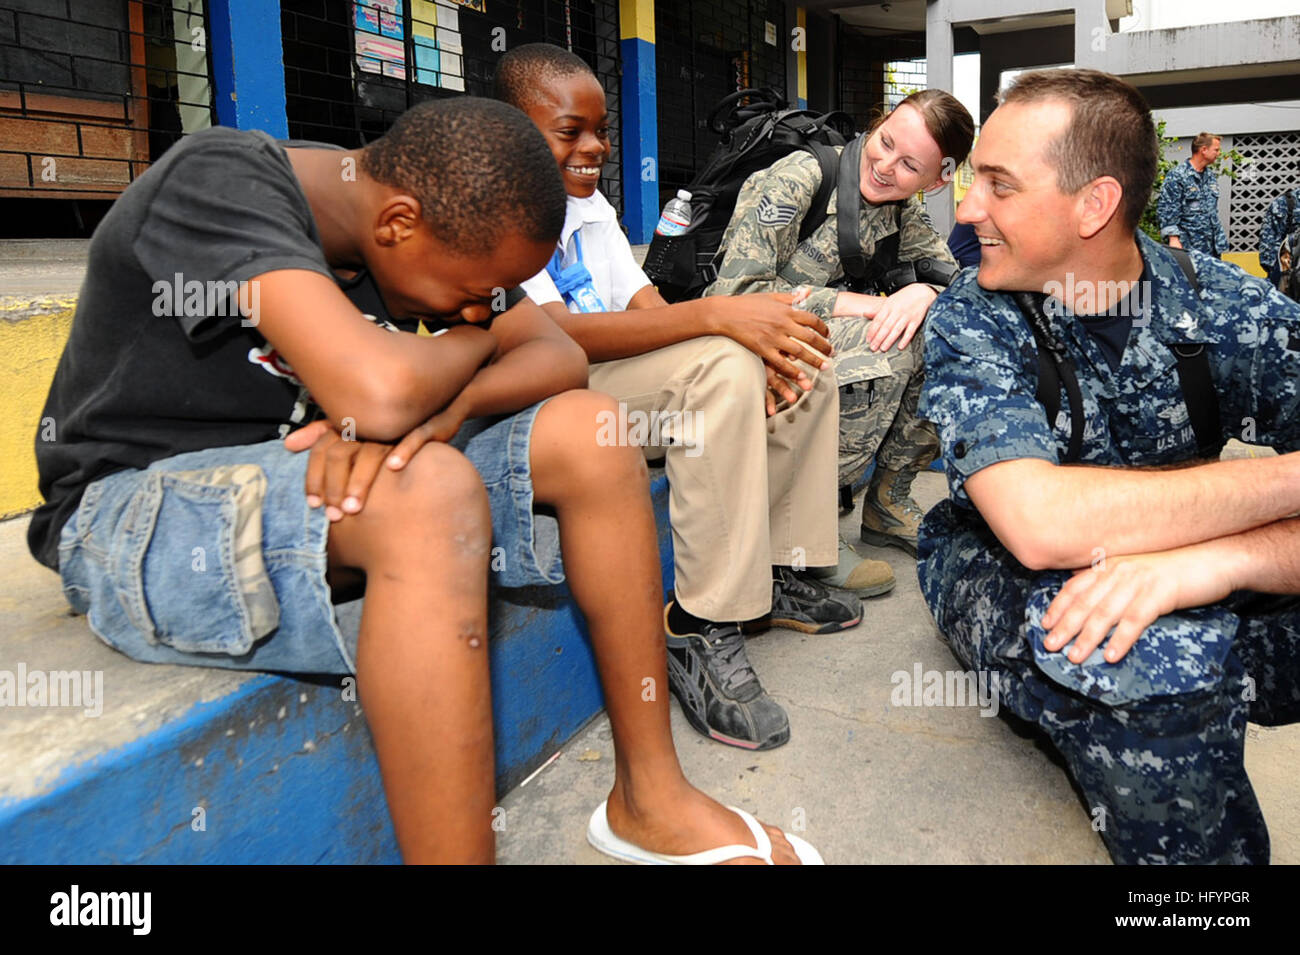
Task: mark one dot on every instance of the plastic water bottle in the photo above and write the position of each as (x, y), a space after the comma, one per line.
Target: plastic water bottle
(676, 217)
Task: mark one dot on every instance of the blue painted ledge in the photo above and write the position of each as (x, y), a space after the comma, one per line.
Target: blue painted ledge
(266, 769)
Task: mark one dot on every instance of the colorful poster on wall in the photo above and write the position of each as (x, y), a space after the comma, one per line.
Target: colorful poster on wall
(378, 34)
(435, 36)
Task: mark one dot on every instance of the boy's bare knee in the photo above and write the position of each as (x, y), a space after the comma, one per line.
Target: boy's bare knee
(577, 434)
(439, 487)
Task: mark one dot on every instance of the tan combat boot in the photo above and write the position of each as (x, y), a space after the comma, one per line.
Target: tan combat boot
(890, 518)
(864, 578)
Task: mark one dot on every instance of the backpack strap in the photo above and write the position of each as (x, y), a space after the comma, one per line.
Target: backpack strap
(1194, 378)
(848, 210)
(862, 273)
(1054, 366)
(829, 163)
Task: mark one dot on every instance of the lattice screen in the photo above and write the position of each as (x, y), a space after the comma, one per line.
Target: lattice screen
(1274, 169)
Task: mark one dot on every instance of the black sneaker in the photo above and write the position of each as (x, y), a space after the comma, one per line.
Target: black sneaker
(720, 695)
(803, 603)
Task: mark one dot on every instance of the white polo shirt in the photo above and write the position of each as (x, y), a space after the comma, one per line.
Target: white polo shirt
(605, 252)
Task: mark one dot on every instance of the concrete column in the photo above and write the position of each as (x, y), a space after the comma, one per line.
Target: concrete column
(796, 55)
(248, 65)
(640, 101)
(938, 75)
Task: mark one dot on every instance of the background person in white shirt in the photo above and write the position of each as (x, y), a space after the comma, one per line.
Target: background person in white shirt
(752, 487)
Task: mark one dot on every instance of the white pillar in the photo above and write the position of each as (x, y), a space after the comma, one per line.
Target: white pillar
(938, 75)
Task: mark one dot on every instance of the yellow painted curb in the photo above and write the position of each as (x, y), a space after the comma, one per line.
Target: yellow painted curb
(32, 336)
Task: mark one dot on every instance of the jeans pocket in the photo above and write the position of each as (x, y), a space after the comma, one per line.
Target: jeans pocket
(187, 560)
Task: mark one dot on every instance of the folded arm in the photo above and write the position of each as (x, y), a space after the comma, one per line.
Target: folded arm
(1053, 516)
(531, 360)
(534, 360)
(386, 383)
(1127, 594)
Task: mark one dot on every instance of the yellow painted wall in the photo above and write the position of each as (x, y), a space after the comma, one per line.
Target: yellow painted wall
(32, 335)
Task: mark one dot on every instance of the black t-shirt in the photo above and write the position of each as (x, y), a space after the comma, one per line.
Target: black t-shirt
(142, 379)
(1112, 328)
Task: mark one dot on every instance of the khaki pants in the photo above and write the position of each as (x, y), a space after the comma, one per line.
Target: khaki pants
(746, 491)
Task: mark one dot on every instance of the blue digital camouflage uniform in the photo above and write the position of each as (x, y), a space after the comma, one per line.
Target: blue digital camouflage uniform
(1155, 741)
(1274, 229)
(1188, 207)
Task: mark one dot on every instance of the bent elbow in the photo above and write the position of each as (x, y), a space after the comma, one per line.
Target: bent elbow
(1032, 555)
(1030, 540)
(384, 407)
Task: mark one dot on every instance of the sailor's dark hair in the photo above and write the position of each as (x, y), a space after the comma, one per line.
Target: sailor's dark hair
(479, 168)
(1110, 133)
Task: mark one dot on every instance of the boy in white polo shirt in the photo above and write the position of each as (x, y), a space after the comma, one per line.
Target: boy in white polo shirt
(751, 494)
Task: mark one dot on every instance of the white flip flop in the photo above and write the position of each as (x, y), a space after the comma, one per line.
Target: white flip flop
(602, 839)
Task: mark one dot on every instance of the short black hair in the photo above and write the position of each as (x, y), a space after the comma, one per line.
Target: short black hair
(480, 170)
(521, 73)
(1110, 133)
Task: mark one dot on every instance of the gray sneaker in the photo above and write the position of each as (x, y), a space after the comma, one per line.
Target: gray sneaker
(801, 602)
(712, 678)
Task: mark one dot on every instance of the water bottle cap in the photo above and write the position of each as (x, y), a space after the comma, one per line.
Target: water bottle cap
(684, 195)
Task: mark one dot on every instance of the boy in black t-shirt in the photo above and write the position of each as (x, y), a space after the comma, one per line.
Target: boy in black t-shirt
(242, 289)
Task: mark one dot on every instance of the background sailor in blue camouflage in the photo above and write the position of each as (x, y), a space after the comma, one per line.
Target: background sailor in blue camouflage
(1175, 553)
(1281, 220)
(1188, 207)
(878, 361)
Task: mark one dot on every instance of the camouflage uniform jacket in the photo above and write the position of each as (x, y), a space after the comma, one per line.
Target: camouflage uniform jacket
(981, 373)
(1189, 208)
(1274, 229)
(761, 251)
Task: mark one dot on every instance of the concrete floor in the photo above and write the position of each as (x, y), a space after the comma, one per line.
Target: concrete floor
(38, 268)
(873, 782)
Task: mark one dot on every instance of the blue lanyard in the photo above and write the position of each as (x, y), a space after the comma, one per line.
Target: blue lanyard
(574, 282)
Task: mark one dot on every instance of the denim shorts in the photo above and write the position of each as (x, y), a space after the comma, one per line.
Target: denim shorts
(213, 558)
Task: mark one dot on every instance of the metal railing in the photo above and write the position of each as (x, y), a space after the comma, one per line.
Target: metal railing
(353, 66)
(93, 91)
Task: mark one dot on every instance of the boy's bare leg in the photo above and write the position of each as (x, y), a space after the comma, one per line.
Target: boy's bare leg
(607, 534)
(423, 540)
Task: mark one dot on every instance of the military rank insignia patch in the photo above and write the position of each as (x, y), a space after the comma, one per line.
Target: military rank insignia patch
(772, 213)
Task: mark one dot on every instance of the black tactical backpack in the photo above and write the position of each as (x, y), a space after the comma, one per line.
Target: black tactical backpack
(754, 136)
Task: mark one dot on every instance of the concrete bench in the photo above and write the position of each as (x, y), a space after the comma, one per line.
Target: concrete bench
(161, 764)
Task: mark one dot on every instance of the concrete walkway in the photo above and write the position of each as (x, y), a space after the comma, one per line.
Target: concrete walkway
(869, 782)
(873, 782)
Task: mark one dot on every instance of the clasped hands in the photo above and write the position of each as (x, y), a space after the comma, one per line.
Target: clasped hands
(1128, 594)
(341, 469)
